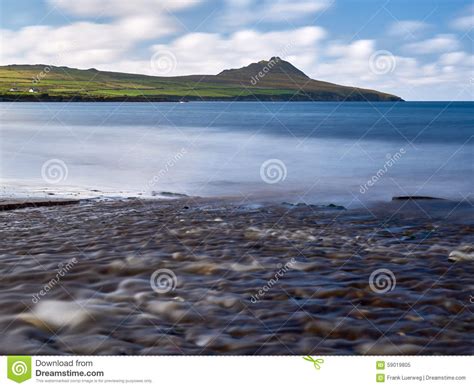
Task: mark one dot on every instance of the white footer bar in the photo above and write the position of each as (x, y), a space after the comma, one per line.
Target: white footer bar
(236, 371)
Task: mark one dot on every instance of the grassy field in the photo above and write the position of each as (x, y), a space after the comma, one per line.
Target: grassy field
(62, 83)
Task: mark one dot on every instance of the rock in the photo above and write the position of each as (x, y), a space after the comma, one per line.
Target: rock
(167, 194)
(134, 284)
(416, 198)
(56, 314)
(13, 205)
(223, 301)
(178, 256)
(98, 344)
(463, 253)
(174, 310)
(302, 266)
(388, 348)
(254, 266)
(336, 207)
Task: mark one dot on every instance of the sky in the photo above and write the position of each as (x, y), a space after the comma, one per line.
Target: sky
(417, 49)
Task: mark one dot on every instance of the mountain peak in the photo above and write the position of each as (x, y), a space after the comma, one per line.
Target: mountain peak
(275, 67)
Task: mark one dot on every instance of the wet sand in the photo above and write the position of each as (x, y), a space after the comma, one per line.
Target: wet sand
(236, 278)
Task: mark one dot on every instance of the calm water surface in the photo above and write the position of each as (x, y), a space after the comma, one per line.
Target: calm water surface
(324, 152)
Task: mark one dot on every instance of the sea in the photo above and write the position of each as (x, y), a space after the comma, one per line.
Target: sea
(346, 153)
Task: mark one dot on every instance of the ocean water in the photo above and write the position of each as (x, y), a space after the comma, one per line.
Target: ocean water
(345, 153)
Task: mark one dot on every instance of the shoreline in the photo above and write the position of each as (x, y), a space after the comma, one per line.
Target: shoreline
(256, 98)
(427, 204)
(15, 204)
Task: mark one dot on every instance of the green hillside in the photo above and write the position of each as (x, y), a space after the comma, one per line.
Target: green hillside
(273, 80)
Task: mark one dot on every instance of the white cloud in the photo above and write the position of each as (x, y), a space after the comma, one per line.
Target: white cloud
(120, 8)
(80, 44)
(350, 64)
(407, 28)
(245, 12)
(354, 64)
(355, 50)
(362, 63)
(218, 52)
(453, 58)
(91, 44)
(440, 43)
(289, 10)
(465, 23)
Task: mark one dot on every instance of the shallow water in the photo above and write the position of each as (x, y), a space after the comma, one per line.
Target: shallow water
(329, 150)
(223, 295)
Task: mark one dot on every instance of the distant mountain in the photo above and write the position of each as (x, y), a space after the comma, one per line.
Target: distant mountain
(272, 80)
(275, 67)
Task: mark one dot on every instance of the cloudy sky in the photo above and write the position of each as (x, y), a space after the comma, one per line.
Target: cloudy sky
(420, 50)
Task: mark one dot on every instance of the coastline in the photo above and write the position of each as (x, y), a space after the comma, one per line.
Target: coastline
(253, 98)
(222, 253)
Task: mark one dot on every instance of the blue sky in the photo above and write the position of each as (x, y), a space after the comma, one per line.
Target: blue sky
(420, 50)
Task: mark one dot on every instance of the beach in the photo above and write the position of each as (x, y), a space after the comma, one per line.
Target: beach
(236, 193)
(230, 276)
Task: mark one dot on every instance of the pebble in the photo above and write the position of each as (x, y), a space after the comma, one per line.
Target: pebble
(226, 281)
(55, 314)
(464, 253)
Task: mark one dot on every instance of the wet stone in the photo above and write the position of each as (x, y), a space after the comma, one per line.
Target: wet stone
(223, 284)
